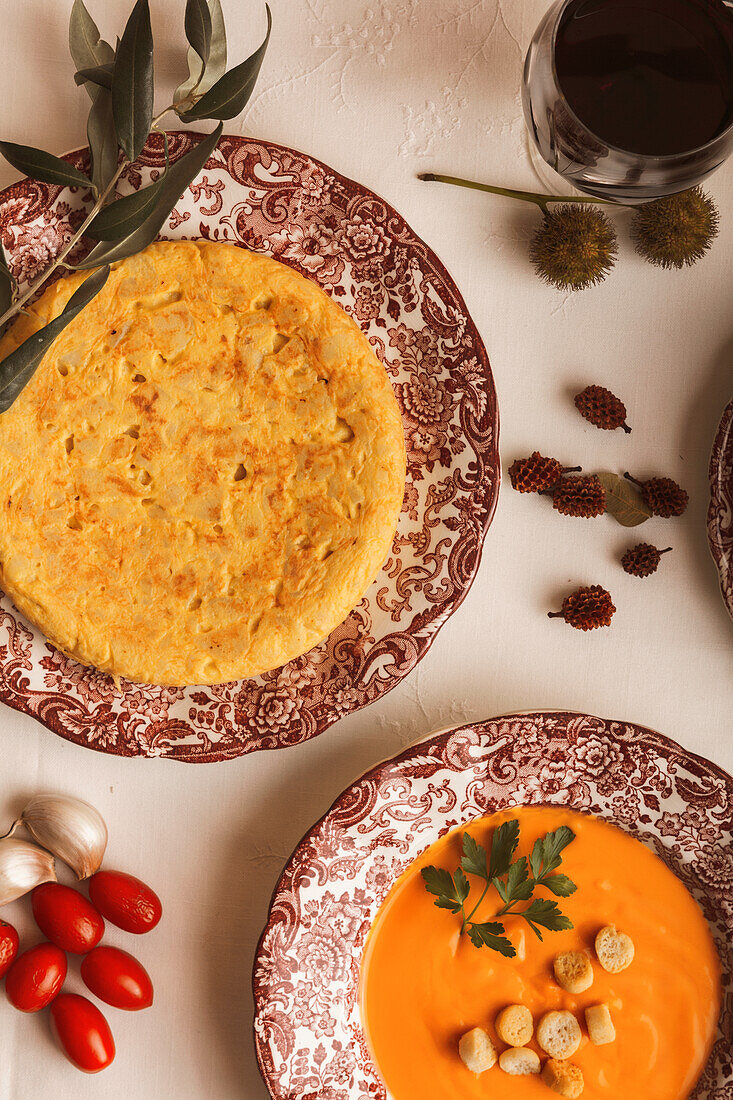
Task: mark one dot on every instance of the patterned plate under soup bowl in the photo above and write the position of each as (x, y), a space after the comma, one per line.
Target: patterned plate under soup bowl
(285, 204)
(720, 511)
(308, 1027)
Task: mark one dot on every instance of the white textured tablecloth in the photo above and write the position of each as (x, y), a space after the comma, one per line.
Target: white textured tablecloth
(380, 90)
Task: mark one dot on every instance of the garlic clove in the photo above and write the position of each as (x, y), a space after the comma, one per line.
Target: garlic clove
(23, 866)
(72, 829)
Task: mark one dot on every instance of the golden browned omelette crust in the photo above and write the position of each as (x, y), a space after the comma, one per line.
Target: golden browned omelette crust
(205, 473)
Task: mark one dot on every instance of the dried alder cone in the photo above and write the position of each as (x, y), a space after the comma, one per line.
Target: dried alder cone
(665, 497)
(602, 408)
(643, 559)
(586, 608)
(537, 473)
(583, 497)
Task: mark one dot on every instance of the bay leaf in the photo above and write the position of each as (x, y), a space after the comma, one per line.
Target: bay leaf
(230, 94)
(216, 64)
(102, 138)
(100, 75)
(17, 369)
(623, 502)
(87, 48)
(169, 190)
(132, 84)
(40, 165)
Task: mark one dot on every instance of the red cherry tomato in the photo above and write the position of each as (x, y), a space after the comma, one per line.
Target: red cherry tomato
(66, 918)
(8, 946)
(125, 901)
(117, 978)
(35, 977)
(82, 1032)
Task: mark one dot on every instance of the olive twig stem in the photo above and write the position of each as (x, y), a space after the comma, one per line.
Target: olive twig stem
(510, 193)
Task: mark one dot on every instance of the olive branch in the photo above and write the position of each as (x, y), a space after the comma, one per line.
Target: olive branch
(120, 85)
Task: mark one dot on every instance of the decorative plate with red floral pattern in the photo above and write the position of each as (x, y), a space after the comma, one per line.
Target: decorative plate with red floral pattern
(720, 512)
(308, 1033)
(283, 203)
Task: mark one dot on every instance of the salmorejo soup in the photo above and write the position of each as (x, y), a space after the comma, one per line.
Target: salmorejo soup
(623, 1004)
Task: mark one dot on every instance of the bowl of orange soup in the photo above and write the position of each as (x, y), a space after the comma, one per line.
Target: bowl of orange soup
(532, 906)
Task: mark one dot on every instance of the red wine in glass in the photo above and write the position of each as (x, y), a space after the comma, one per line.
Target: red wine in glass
(632, 98)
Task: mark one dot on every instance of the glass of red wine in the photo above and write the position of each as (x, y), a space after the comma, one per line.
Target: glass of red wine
(629, 100)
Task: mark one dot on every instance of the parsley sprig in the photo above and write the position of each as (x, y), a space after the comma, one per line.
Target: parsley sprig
(513, 882)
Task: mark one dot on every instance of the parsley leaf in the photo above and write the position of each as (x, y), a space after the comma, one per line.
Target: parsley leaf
(489, 935)
(512, 881)
(546, 852)
(474, 857)
(547, 915)
(560, 885)
(449, 889)
(503, 847)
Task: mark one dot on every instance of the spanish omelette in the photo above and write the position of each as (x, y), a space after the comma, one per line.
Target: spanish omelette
(204, 475)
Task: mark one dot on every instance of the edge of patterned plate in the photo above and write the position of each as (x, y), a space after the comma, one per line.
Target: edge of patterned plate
(627, 773)
(720, 511)
(85, 707)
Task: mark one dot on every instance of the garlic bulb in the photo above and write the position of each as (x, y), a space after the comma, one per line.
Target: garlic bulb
(73, 830)
(23, 866)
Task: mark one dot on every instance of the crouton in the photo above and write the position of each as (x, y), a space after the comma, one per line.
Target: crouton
(559, 1035)
(600, 1025)
(573, 971)
(563, 1078)
(615, 950)
(514, 1025)
(477, 1050)
(519, 1061)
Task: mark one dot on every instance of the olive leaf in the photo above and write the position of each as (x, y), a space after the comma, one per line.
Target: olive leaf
(132, 84)
(622, 500)
(43, 166)
(202, 77)
(197, 24)
(102, 138)
(87, 48)
(125, 215)
(17, 369)
(7, 283)
(231, 93)
(168, 191)
(99, 74)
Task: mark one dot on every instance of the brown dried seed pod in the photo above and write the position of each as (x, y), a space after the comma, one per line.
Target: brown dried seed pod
(533, 474)
(643, 559)
(676, 230)
(665, 497)
(602, 408)
(574, 247)
(586, 608)
(583, 497)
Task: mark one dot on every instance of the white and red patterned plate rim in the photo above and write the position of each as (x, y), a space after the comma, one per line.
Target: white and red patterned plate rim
(720, 510)
(308, 1031)
(276, 200)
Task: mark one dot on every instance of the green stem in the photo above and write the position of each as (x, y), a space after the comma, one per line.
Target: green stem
(467, 919)
(510, 193)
